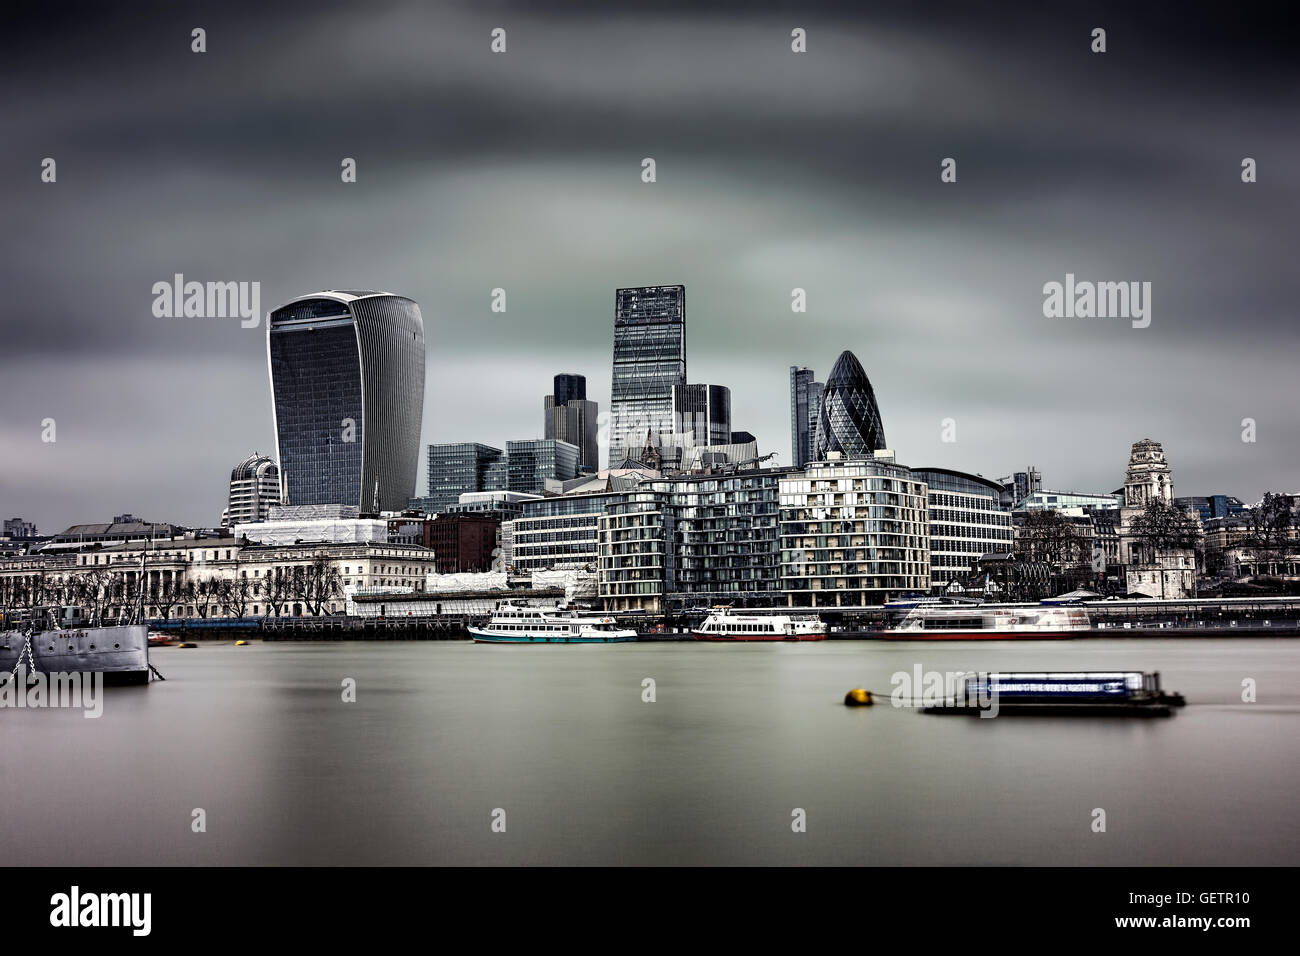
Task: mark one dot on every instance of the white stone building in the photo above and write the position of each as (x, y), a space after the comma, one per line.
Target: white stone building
(1163, 572)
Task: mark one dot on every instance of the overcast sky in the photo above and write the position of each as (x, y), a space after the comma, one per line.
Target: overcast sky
(775, 170)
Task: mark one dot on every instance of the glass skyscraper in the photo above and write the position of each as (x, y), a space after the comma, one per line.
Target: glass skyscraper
(805, 405)
(455, 469)
(703, 412)
(347, 380)
(849, 421)
(529, 463)
(649, 359)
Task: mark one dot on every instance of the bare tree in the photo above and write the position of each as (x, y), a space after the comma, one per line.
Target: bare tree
(277, 588)
(1164, 527)
(322, 583)
(1052, 538)
(205, 594)
(165, 595)
(92, 592)
(233, 595)
(1272, 532)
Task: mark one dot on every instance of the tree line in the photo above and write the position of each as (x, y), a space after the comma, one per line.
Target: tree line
(102, 593)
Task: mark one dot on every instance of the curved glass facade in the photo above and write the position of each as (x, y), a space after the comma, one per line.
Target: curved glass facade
(853, 533)
(849, 421)
(347, 378)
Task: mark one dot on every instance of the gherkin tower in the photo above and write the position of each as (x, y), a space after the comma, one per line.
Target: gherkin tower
(849, 421)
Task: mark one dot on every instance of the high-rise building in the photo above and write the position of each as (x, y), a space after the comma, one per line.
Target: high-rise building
(347, 378)
(529, 464)
(649, 359)
(570, 417)
(569, 386)
(702, 412)
(805, 404)
(967, 520)
(254, 488)
(848, 421)
(853, 532)
(455, 469)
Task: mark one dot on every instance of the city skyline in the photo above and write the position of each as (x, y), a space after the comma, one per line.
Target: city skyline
(816, 174)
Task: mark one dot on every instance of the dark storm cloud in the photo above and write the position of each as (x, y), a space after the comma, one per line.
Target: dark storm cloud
(775, 171)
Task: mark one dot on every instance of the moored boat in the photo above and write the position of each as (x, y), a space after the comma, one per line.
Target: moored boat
(1060, 694)
(724, 624)
(120, 653)
(517, 623)
(991, 623)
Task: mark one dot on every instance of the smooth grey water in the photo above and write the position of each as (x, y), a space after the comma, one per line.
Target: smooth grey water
(441, 734)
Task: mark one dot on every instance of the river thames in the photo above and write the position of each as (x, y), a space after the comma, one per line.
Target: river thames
(584, 771)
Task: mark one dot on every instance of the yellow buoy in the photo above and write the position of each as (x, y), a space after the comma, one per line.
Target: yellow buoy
(858, 698)
(240, 643)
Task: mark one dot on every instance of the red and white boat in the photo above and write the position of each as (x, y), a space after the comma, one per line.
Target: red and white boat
(991, 623)
(725, 624)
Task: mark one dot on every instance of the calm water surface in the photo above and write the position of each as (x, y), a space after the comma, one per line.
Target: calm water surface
(441, 734)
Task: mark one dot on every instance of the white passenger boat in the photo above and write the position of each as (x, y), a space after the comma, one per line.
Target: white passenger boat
(517, 623)
(724, 624)
(991, 622)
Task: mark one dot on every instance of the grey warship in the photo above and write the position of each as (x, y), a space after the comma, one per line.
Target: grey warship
(120, 652)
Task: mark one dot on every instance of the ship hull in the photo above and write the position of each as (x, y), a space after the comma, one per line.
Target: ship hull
(120, 653)
(484, 637)
(755, 638)
(982, 635)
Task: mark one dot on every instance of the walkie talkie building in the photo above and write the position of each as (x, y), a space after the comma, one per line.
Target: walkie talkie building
(347, 380)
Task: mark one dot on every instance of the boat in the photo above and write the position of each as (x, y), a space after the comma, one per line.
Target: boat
(518, 623)
(724, 624)
(991, 623)
(1061, 694)
(120, 652)
(905, 602)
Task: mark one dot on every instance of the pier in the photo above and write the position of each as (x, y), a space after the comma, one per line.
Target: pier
(442, 621)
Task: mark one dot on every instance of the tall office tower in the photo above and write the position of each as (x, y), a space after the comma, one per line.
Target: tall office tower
(455, 469)
(649, 359)
(815, 392)
(569, 386)
(848, 421)
(254, 487)
(805, 403)
(702, 412)
(570, 417)
(347, 378)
